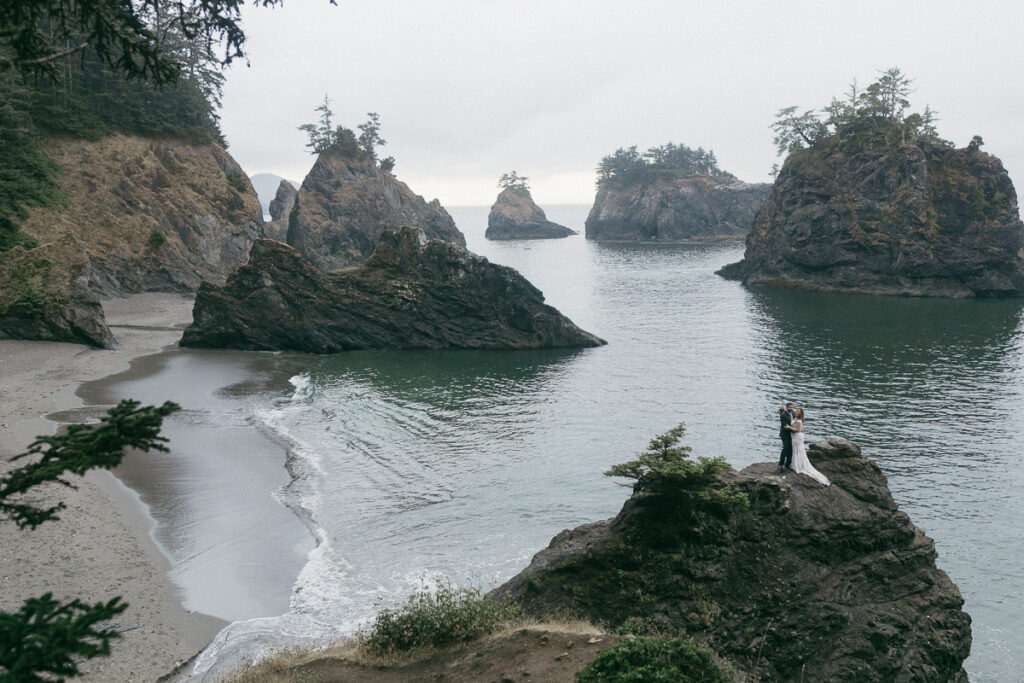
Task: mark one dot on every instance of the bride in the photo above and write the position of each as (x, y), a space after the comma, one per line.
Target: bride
(801, 465)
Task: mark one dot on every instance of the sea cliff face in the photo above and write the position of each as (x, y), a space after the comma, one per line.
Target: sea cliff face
(141, 215)
(345, 205)
(515, 216)
(413, 292)
(920, 220)
(808, 583)
(692, 208)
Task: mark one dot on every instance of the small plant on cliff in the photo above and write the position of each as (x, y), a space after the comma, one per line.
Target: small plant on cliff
(324, 135)
(435, 618)
(664, 457)
(514, 182)
(46, 638)
(655, 660)
(629, 165)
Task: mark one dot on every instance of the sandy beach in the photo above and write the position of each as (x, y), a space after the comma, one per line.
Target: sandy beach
(101, 547)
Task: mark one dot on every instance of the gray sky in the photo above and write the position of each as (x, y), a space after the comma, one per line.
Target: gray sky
(469, 89)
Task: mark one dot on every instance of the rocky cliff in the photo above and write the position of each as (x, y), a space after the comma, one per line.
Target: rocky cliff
(413, 292)
(807, 583)
(515, 216)
(345, 205)
(141, 215)
(665, 209)
(915, 219)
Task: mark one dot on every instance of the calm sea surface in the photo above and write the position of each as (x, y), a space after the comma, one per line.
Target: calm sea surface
(409, 466)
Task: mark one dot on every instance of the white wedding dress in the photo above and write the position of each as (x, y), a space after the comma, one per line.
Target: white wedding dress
(801, 465)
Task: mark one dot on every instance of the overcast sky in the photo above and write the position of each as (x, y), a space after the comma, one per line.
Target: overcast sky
(469, 89)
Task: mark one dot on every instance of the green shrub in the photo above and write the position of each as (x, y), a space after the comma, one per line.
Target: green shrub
(236, 179)
(435, 618)
(156, 240)
(664, 457)
(654, 660)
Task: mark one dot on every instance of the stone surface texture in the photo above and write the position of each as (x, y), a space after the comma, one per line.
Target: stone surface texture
(515, 216)
(413, 292)
(808, 583)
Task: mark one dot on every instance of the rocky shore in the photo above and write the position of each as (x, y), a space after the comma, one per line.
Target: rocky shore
(413, 292)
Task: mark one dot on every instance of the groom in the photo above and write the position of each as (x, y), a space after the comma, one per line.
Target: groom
(785, 420)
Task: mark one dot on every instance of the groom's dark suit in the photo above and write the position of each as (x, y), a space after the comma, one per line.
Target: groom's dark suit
(786, 458)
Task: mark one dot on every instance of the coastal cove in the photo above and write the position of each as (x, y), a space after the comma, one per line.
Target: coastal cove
(318, 487)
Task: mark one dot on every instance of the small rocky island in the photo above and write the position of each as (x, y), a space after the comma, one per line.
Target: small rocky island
(785, 578)
(871, 200)
(670, 193)
(515, 216)
(412, 293)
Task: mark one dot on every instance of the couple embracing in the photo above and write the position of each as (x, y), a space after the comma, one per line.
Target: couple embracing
(794, 456)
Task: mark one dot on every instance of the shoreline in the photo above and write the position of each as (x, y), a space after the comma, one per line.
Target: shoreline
(102, 545)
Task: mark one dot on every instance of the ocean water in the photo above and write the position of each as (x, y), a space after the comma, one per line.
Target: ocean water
(338, 484)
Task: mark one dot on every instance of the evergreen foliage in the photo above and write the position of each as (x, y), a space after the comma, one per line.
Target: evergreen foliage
(665, 458)
(876, 116)
(629, 166)
(27, 175)
(46, 638)
(514, 182)
(654, 660)
(81, 448)
(124, 34)
(325, 136)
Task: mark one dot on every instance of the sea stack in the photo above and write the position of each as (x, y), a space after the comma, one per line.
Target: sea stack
(918, 219)
(515, 216)
(412, 293)
(347, 202)
(802, 582)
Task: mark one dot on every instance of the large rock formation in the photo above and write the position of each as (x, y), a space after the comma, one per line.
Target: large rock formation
(807, 583)
(150, 215)
(916, 219)
(346, 204)
(515, 216)
(412, 293)
(141, 215)
(44, 296)
(675, 209)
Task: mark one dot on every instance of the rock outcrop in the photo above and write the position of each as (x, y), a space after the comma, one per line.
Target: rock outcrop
(280, 212)
(807, 583)
(43, 296)
(917, 219)
(150, 215)
(346, 204)
(515, 216)
(141, 215)
(673, 210)
(412, 293)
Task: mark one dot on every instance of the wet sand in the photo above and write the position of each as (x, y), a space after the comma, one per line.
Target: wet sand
(101, 547)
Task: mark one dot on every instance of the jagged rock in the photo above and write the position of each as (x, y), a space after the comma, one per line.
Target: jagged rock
(150, 215)
(691, 208)
(280, 211)
(917, 219)
(808, 582)
(515, 216)
(43, 297)
(412, 293)
(282, 203)
(345, 204)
